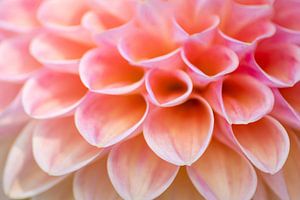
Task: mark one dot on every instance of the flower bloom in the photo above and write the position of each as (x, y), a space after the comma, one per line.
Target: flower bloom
(150, 99)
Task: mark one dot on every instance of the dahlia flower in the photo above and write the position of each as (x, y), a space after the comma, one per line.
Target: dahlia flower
(150, 99)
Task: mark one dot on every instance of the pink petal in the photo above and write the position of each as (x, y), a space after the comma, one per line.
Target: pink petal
(105, 120)
(287, 107)
(61, 191)
(264, 142)
(255, 2)
(164, 127)
(286, 183)
(56, 94)
(23, 179)
(279, 63)
(240, 99)
(149, 50)
(104, 71)
(93, 183)
(181, 188)
(208, 62)
(59, 149)
(168, 88)
(8, 93)
(52, 14)
(16, 63)
(18, 15)
(57, 52)
(136, 172)
(286, 14)
(221, 173)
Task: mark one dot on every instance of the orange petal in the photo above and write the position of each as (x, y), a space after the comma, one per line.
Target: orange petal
(57, 139)
(61, 191)
(104, 71)
(168, 88)
(181, 188)
(22, 176)
(164, 130)
(56, 94)
(93, 183)
(104, 120)
(240, 99)
(16, 63)
(215, 174)
(136, 172)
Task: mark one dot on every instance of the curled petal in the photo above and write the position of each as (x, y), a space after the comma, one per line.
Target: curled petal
(136, 172)
(141, 48)
(286, 15)
(165, 136)
(240, 99)
(24, 178)
(279, 63)
(8, 92)
(208, 62)
(52, 14)
(263, 192)
(168, 88)
(62, 190)
(286, 182)
(19, 15)
(16, 63)
(57, 52)
(181, 188)
(93, 183)
(57, 139)
(287, 106)
(264, 142)
(56, 94)
(104, 71)
(215, 174)
(104, 120)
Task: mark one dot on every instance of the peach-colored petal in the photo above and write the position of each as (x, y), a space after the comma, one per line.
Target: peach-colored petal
(222, 173)
(208, 62)
(149, 50)
(19, 15)
(181, 188)
(58, 148)
(24, 178)
(92, 183)
(286, 183)
(240, 99)
(180, 134)
(104, 71)
(168, 88)
(265, 143)
(52, 14)
(287, 106)
(61, 191)
(104, 120)
(192, 16)
(6, 142)
(263, 192)
(50, 94)
(57, 52)
(136, 172)
(8, 93)
(279, 63)
(16, 64)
